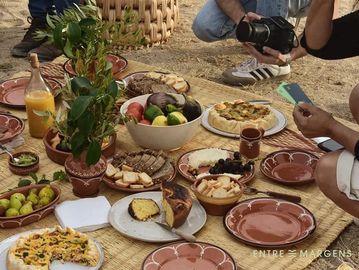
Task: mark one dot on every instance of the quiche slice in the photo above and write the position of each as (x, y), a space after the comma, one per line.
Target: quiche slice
(37, 250)
(233, 116)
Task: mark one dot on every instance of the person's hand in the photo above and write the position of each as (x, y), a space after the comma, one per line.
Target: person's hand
(312, 121)
(251, 16)
(271, 56)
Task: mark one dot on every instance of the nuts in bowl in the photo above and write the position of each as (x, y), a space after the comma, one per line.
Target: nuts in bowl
(162, 121)
(217, 193)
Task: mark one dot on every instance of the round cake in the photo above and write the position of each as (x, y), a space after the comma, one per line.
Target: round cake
(37, 250)
(232, 117)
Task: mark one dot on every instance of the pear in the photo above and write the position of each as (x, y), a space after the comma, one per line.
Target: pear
(26, 209)
(34, 190)
(32, 197)
(15, 203)
(5, 203)
(12, 212)
(19, 196)
(47, 192)
(43, 201)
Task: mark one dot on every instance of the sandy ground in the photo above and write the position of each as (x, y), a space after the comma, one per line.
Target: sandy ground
(327, 83)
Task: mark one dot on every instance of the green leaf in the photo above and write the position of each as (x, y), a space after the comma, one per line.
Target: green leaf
(58, 38)
(68, 49)
(79, 106)
(44, 181)
(78, 84)
(24, 182)
(77, 144)
(74, 32)
(86, 123)
(34, 176)
(59, 175)
(113, 89)
(93, 153)
(49, 22)
(87, 22)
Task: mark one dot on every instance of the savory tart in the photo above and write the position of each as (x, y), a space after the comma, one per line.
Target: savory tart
(37, 250)
(233, 116)
(143, 209)
(176, 202)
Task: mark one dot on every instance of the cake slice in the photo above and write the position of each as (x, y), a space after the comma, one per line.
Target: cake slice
(142, 209)
(176, 202)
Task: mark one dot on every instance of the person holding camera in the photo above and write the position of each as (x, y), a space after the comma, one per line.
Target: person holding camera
(337, 173)
(218, 20)
(38, 10)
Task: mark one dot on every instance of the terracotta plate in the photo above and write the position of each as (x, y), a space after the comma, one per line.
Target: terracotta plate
(140, 74)
(10, 127)
(269, 222)
(56, 264)
(12, 91)
(281, 124)
(149, 231)
(111, 183)
(185, 256)
(183, 167)
(290, 167)
(119, 64)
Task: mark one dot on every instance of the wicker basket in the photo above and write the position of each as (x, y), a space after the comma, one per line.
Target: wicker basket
(158, 18)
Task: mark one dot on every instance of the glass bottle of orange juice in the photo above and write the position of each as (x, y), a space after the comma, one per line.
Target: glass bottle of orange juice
(38, 97)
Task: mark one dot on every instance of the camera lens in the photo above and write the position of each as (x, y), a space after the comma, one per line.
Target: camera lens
(257, 33)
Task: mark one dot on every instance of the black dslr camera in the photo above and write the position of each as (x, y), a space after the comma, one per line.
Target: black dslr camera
(274, 32)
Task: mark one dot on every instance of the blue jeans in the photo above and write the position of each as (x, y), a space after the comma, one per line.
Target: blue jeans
(211, 24)
(39, 8)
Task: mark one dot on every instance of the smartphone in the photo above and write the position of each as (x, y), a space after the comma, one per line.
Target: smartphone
(330, 145)
(296, 93)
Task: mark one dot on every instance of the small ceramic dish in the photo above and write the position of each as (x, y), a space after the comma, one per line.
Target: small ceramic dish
(10, 127)
(36, 215)
(290, 167)
(20, 168)
(216, 206)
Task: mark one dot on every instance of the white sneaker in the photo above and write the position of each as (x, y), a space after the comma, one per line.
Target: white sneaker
(356, 221)
(250, 72)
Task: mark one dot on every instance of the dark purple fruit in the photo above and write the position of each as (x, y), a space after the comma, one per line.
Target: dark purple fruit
(247, 167)
(237, 155)
(221, 161)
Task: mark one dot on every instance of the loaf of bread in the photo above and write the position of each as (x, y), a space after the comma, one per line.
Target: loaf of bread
(142, 209)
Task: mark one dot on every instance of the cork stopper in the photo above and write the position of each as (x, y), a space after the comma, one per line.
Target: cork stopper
(34, 61)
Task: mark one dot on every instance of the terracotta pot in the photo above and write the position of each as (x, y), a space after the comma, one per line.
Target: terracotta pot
(21, 169)
(59, 157)
(250, 142)
(85, 179)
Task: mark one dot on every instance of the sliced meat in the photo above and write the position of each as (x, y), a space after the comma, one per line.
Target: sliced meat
(148, 164)
(159, 162)
(165, 173)
(143, 160)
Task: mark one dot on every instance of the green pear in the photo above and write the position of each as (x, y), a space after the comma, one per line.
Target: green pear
(5, 203)
(47, 192)
(32, 197)
(19, 196)
(12, 212)
(26, 209)
(44, 201)
(34, 191)
(15, 203)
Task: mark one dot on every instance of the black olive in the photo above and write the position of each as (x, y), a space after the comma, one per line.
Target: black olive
(248, 167)
(221, 161)
(237, 155)
(228, 159)
(211, 170)
(241, 169)
(251, 162)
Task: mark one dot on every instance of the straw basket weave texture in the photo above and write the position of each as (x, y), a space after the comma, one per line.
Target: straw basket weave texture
(157, 18)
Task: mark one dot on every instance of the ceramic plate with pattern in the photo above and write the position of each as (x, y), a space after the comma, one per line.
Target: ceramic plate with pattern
(269, 222)
(10, 127)
(184, 255)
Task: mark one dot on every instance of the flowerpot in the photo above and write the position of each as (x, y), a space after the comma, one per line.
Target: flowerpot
(59, 157)
(85, 179)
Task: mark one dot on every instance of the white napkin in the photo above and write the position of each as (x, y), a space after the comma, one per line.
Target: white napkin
(84, 215)
(16, 142)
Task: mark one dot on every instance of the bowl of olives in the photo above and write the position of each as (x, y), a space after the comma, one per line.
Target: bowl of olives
(23, 163)
(28, 204)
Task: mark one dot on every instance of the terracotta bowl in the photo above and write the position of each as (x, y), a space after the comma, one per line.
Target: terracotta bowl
(290, 167)
(24, 169)
(160, 137)
(36, 215)
(216, 206)
(59, 157)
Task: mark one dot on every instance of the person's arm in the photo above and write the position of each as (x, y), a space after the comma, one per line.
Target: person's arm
(232, 8)
(320, 123)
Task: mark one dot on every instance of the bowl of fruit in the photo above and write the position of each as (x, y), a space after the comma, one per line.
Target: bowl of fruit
(28, 204)
(162, 121)
(217, 193)
(23, 163)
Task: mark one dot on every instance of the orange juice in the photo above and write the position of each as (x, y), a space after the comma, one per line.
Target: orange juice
(39, 100)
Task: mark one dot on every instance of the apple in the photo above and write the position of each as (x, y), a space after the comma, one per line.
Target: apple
(135, 106)
(135, 114)
(145, 122)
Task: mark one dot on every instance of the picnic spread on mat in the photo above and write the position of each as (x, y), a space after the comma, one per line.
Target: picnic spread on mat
(198, 175)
